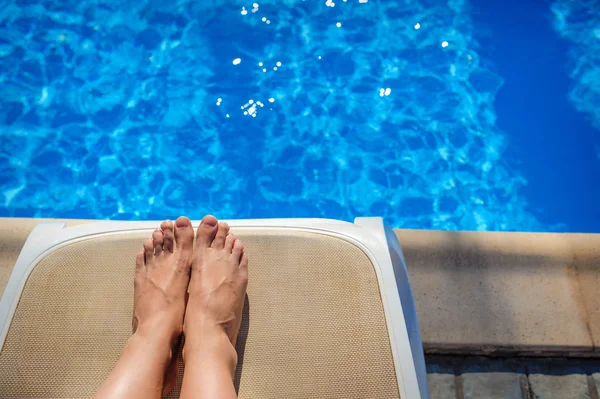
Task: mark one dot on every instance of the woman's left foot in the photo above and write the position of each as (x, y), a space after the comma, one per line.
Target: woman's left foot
(162, 275)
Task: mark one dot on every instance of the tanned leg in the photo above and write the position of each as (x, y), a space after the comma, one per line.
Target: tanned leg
(214, 312)
(161, 281)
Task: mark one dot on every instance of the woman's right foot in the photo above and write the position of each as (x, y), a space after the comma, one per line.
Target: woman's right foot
(218, 283)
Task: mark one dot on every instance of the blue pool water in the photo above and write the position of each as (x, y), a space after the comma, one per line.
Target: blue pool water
(433, 114)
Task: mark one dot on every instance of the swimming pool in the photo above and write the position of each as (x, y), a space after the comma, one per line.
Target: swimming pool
(405, 109)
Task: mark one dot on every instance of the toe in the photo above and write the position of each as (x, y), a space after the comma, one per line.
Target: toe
(238, 249)
(206, 231)
(167, 228)
(244, 268)
(157, 236)
(184, 234)
(229, 242)
(139, 259)
(219, 241)
(148, 250)
(244, 261)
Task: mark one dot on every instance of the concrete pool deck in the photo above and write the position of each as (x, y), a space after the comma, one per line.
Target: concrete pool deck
(535, 294)
(506, 293)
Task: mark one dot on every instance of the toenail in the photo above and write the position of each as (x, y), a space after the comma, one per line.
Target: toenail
(210, 222)
(181, 223)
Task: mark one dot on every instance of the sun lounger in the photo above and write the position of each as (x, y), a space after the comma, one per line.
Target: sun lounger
(329, 312)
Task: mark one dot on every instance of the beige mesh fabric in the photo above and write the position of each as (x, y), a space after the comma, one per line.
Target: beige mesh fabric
(314, 325)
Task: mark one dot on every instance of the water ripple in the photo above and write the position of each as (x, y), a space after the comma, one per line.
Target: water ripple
(286, 109)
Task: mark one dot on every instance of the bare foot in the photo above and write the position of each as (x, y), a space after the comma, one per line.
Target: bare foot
(218, 283)
(162, 274)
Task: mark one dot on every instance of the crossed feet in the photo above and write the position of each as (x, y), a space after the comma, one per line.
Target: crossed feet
(196, 290)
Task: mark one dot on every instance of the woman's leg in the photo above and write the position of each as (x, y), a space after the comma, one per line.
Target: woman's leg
(161, 281)
(214, 312)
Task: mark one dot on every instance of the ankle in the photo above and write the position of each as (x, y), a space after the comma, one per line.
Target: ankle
(201, 322)
(210, 345)
(157, 334)
(154, 348)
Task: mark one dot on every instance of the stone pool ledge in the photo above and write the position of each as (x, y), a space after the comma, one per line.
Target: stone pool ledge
(535, 294)
(506, 294)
